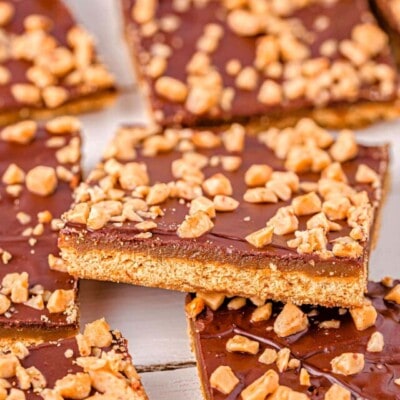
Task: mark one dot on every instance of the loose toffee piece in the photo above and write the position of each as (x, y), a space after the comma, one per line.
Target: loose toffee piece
(287, 215)
(39, 168)
(48, 64)
(92, 365)
(319, 353)
(203, 62)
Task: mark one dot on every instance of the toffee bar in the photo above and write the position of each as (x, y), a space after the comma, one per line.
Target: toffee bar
(39, 168)
(288, 215)
(48, 63)
(264, 62)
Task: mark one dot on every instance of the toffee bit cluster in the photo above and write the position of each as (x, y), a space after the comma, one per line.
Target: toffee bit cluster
(120, 189)
(286, 66)
(54, 69)
(289, 321)
(106, 370)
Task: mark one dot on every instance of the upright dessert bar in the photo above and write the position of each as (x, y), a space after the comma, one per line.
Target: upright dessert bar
(92, 365)
(288, 215)
(39, 168)
(284, 352)
(270, 62)
(48, 64)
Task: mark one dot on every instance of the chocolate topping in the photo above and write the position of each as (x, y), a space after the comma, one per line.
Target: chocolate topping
(315, 348)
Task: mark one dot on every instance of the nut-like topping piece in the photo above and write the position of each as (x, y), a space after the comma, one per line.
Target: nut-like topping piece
(284, 221)
(282, 360)
(375, 343)
(202, 204)
(262, 237)
(307, 204)
(364, 316)
(262, 313)
(260, 195)
(225, 203)
(22, 132)
(195, 307)
(172, 89)
(5, 304)
(74, 386)
(212, 300)
(218, 184)
(309, 241)
(336, 208)
(305, 378)
(242, 344)
(345, 148)
(348, 364)
(270, 93)
(98, 333)
(79, 213)
(8, 365)
(223, 379)
(366, 174)
(54, 96)
(337, 392)
(195, 225)
(347, 247)
(236, 303)
(262, 386)
(13, 175)
(268, 357)
(244, 23)
(394, 294)
(60, 300)
(157, 194)
(258, 175)
(25, 93)
(41, 180)
(7, 11)
(144, 10)
(291, 320)
(370, 38)
(63, 124)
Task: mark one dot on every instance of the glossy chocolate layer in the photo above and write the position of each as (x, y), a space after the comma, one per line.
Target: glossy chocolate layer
(62, 22)
(226, 243)
(315, 348)
(245, 105)
(30, 252)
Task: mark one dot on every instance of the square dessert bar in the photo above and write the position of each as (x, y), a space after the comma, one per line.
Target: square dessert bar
(39, 168)
(287, 215)
(48, 63)
(281, 352)
(92, 365)
(269, 62)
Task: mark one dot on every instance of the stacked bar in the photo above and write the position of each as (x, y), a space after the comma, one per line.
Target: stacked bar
(289, 215)
(269, 62)
(92, 365)
(48, 64)
(39, 168)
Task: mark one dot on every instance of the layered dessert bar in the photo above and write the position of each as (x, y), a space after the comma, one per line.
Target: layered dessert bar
(39, 168)
(48, 63)
(92, 365)
(288, 215)
(275, 351)
(267, 62)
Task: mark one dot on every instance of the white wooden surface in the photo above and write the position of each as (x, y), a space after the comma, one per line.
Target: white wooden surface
(153, 320)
